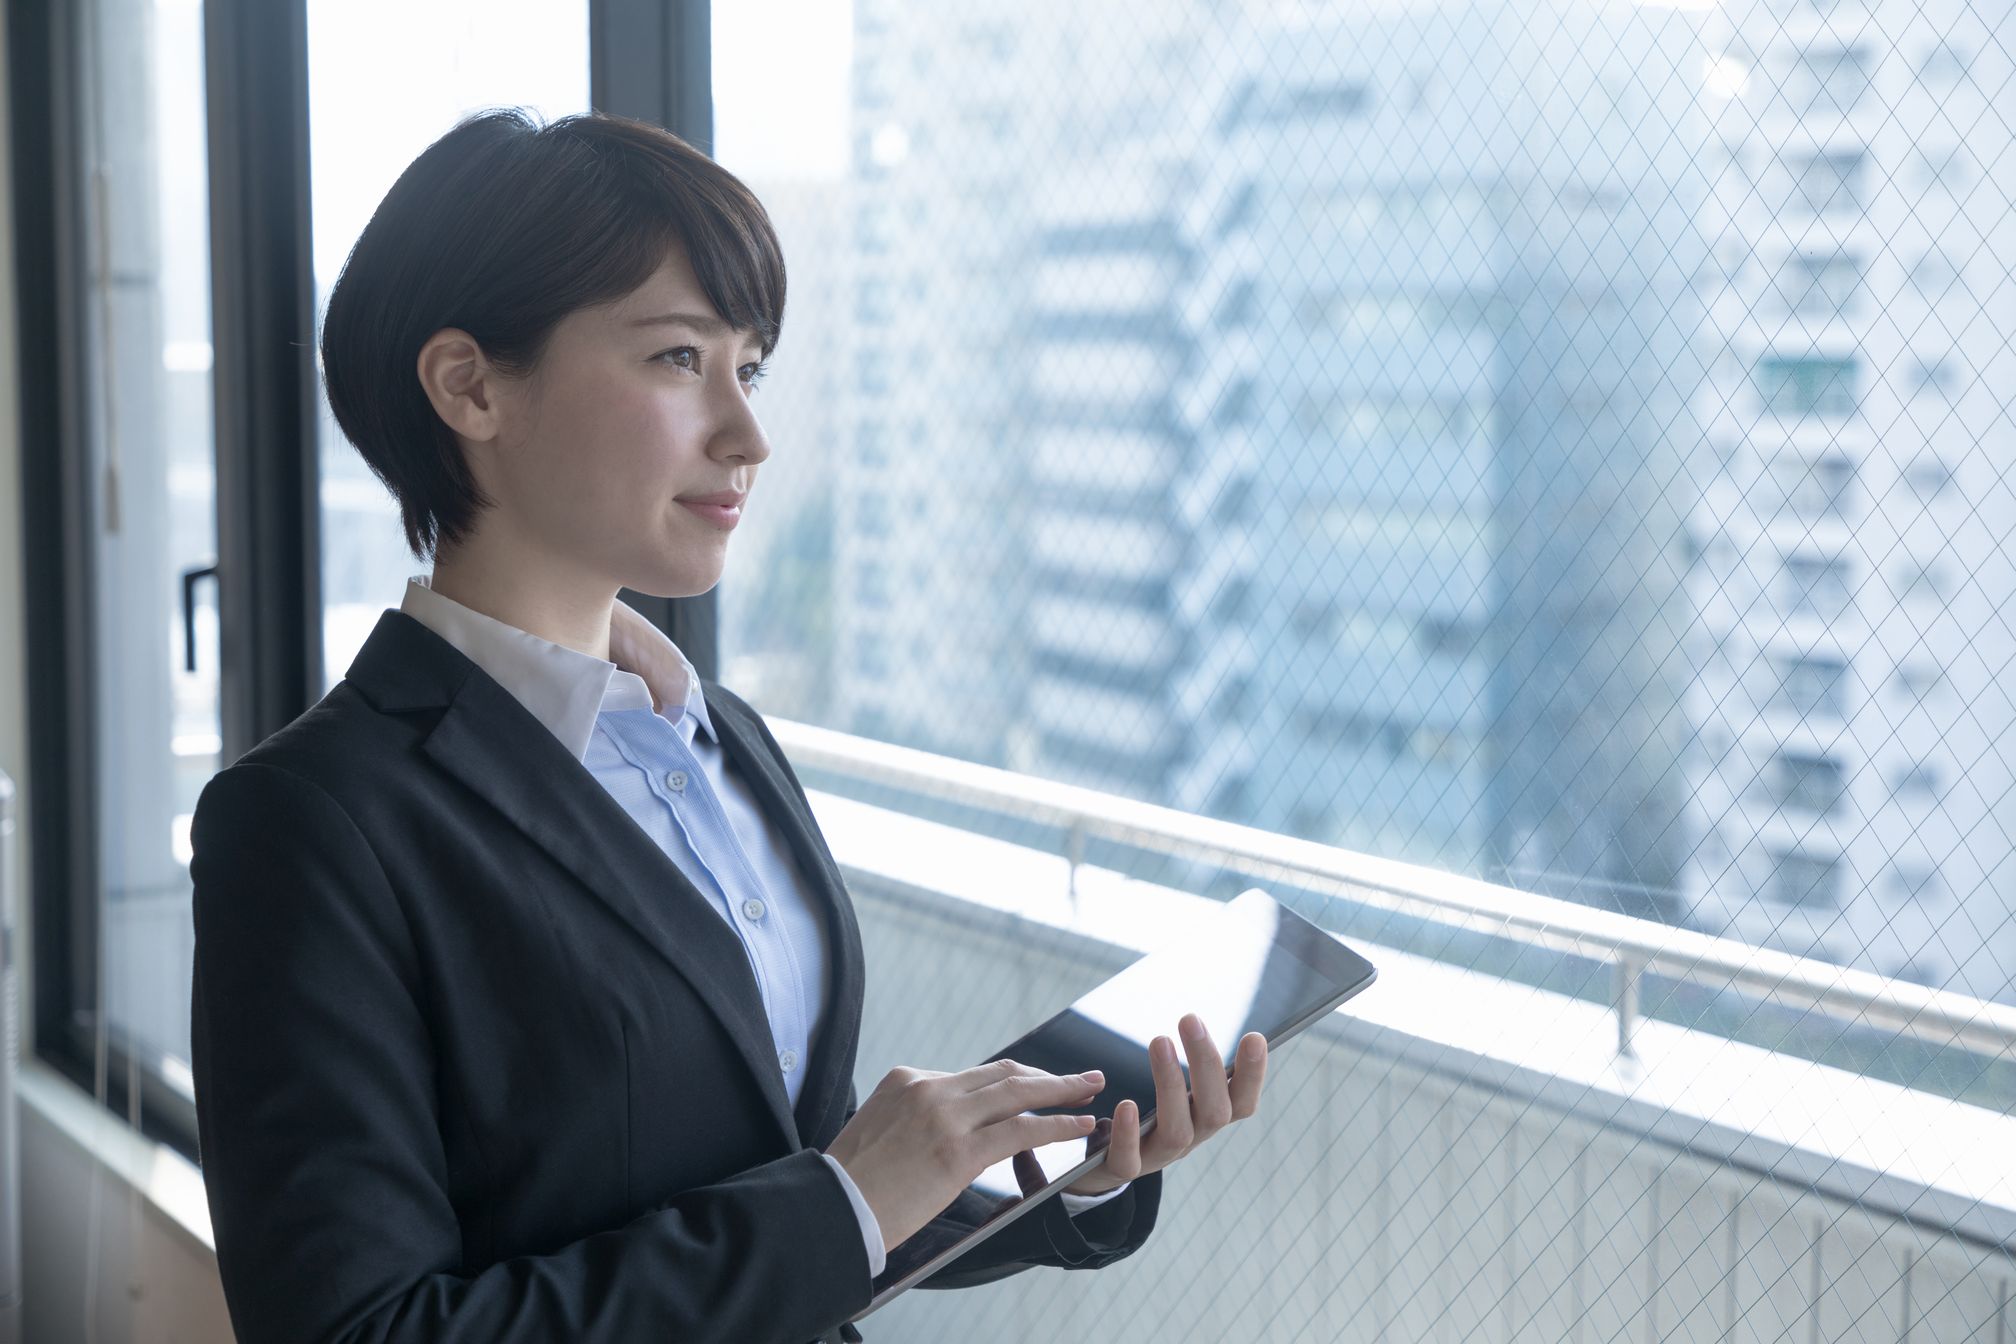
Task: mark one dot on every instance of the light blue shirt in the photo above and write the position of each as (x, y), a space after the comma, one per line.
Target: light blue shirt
(639, 724)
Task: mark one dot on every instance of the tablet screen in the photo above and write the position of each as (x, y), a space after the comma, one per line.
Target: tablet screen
(1251, 965)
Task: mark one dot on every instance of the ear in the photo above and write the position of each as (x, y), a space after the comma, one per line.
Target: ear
(464, 389)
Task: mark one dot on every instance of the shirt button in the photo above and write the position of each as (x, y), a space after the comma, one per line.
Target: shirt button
(789, 1059)
(753, 908)
(676, 781)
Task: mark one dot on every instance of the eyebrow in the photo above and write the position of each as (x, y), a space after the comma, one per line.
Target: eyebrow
(700, 322)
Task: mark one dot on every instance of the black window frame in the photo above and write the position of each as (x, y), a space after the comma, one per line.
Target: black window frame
(649, 59)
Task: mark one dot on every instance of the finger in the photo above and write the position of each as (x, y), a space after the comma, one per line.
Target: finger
(1249, 1073)
(1033, 1131)
(1027, 1092)
(993, 1071)
(1123, 1152)
(1210, 1097)
(1173, 1131)
(1029, 1173)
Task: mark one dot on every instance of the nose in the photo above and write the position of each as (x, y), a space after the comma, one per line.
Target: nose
(738, 435)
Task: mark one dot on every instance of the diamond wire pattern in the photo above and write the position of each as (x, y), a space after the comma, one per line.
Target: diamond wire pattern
(1526, 577)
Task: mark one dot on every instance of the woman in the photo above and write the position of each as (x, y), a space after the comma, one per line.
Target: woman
(526, 992)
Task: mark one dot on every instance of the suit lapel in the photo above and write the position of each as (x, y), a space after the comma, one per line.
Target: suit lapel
(492, 744)
(822, 1102)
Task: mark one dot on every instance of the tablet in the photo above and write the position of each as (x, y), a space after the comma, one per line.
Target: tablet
(1250, 965)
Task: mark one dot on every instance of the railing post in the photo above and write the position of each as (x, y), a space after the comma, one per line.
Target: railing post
(1074, 854)
(1624, 974)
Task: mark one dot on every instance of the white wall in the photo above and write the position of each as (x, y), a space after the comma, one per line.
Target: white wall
(152, 1278)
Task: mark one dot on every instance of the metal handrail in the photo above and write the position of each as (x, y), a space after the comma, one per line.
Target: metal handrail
(1632, 947)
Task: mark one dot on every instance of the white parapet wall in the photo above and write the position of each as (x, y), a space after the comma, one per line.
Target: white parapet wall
(1450, 1157)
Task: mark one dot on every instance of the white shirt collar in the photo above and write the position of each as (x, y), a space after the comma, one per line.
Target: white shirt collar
(564, 688)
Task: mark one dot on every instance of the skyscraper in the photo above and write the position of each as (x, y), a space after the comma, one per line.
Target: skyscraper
(1852, 790)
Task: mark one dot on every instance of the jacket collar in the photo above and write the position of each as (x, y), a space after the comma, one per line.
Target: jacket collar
(565, 688)
(489, 741)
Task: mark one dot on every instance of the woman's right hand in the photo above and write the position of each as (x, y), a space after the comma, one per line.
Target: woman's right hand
(922, 1137)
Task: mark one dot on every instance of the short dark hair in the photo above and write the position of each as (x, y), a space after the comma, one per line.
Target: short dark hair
(502, 227)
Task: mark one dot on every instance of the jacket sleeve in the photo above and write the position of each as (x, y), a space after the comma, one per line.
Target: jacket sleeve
(320, 1139)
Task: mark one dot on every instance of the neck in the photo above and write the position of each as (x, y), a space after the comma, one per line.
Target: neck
(539, 594)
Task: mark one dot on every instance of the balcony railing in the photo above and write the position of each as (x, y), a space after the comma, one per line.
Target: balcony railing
(1631, 947)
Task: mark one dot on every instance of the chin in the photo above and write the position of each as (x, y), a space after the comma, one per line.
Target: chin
(688, 584)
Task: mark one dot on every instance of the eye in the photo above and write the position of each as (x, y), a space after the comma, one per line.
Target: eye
(752, 374)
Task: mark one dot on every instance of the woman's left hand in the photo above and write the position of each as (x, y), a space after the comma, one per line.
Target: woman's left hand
(1182, 1122)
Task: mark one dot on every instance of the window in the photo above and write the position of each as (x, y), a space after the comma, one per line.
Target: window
(1270, 102)
(1811, 684)
(199, 597)
(1934, 272)
(1917, 881)
(1828, 182)
(1827, 80)
(1918, 578)
(1948, 168)
(1805, 386)
(1808, 880)
(1933, 377)
(1820, 285)
(538, 60)
(1554, 384)
(1813, 487)
(1918, 780)
(1814, 586)
(1944, 65)
(1928, 476)
(152, 468)
(1806, 782)
(1919, 681)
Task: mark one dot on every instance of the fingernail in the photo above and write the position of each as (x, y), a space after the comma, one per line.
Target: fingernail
(1092, 1075)
(1193, 1026)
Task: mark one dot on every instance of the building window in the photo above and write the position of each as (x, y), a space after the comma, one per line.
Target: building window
(1947, 167)
(1810, 684)
(1828, 182)
(1814, 585)
(1808, 782)
(1916, 578)
(1233, 600)
(1928, 475)
(1919, 681)
(1919, 780)
(871, 444)
(1944, 66)
(1819, 284)
(1934, 272)
(1236, 308)
(1235, 407)
(1815, 487)
(1915, 880)
(1809, 880)
(1806, 385)
(1933, 377)
(1827, 80)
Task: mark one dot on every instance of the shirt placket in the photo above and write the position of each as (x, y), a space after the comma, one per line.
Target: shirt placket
(699, 790)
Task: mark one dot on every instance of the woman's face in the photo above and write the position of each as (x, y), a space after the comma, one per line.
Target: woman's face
(625, 414)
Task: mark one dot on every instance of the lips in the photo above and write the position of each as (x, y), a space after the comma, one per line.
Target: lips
(723, 516)
(731, 498)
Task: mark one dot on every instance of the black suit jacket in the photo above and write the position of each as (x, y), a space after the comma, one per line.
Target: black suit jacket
(475, 1062)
